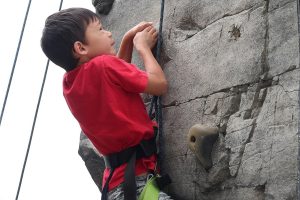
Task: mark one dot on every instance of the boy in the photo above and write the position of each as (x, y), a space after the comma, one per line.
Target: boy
(102, 89)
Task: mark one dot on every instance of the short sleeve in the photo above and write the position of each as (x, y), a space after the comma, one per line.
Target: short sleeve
(126, 75)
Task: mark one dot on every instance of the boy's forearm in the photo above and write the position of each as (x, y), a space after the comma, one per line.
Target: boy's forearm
(154, 70)
(126, 48)
(151, 65)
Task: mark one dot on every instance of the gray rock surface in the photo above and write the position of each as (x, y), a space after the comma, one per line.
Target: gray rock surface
(93, 160)
(232, 64)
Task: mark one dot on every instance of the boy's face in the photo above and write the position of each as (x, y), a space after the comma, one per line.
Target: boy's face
(98, 40)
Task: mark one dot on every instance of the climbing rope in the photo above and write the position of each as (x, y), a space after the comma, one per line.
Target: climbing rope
(15, 61)
(34, 121)
(156, 100)
(298, 180)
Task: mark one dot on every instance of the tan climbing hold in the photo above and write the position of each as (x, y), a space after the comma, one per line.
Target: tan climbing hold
(201, 139)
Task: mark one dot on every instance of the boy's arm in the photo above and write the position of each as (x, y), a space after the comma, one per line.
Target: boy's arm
(126, 46)
(144, 42)
(157, 83)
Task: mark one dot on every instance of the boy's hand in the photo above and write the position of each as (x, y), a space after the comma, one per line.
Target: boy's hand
(126, 46)
(138, 28)
(146, 38)
(144, 41)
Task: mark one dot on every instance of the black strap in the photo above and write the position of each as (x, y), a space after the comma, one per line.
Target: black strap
(146, 148)
(105, 188)
(129, 186)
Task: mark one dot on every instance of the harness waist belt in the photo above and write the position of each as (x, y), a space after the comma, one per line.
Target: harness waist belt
(145, 149)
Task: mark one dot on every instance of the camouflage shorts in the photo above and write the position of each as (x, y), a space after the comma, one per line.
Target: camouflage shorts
(118, 194)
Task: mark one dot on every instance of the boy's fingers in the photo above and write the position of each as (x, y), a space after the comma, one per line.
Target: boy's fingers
(148, 28)
(141, 26)
(153, 30)
(145, 24)
(148, 23)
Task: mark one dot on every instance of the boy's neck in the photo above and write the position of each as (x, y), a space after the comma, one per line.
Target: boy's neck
(83, 60)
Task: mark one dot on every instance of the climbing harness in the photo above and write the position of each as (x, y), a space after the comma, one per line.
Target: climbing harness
(145, 149)
(35, 116)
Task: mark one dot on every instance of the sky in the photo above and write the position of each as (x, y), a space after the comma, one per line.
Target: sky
(54, 169)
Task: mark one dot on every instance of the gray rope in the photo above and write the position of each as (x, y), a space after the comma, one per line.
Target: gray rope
(34, 121)
(298, 159)
(156, 100)
(15, 61)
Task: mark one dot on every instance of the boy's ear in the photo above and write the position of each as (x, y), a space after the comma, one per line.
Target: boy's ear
(79, 49)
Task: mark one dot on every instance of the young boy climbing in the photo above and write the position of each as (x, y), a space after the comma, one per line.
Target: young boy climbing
(102, 89)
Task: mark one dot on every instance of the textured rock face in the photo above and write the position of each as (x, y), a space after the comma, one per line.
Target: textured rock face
(93, 160)
(233, 64)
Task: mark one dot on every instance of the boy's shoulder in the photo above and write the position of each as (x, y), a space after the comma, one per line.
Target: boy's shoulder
(107, 62)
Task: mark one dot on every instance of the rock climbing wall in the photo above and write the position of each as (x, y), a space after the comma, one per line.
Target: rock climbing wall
(231, 64)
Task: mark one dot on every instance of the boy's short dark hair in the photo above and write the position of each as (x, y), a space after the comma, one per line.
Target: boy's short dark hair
(61, 31)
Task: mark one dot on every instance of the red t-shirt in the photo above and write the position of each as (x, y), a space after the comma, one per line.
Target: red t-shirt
(103, 95)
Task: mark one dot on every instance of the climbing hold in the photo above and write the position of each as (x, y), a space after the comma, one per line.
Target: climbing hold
(103, 6)
(201, 139)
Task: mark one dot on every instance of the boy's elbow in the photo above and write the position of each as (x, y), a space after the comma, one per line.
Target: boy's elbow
(164, 88)
(157, 87)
